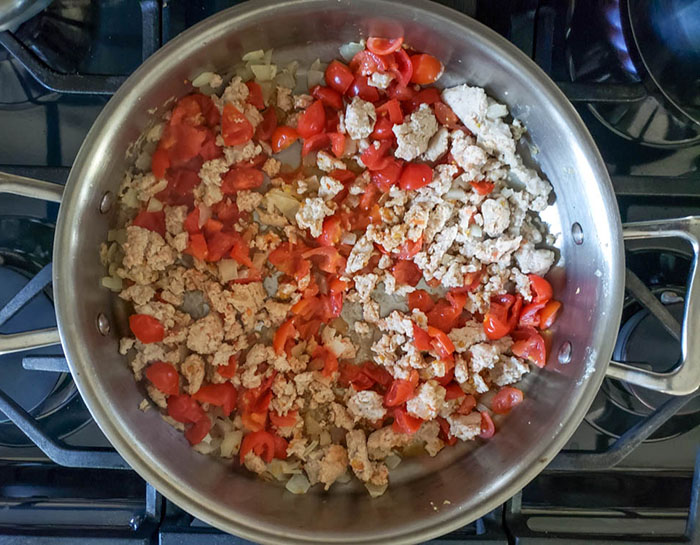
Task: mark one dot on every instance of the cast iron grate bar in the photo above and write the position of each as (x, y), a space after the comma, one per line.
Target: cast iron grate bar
(27, 293)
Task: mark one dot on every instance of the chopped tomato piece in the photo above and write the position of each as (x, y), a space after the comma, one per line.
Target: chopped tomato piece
(266, 129)
(181, 184)
(339, 76)
(453, 391)
(402, 69)
(255, 96)
(506, 398)
(366, 63)
(406, 272)
(377, 373)
(393, 110)
(421, 300)
(222, 395)
(312, 120)
(240, 178)
(383, 46)
(375, 156)
(235, 128)
(160, 162)
(415, 176)
(197, 246)
(219, 244)
(183, 408)
(164, 376)
(388, 176)
(361, 88)
(529, 345)
(426, 69)
(331, 260)
(228, 371)
(330, 362)
(195, 109)
(283, 137)
(467, 405)
(441, 343)
(153, 221)
(445, 115)
(330, 97)
(421, 339)
(410, 248)
(400, 92)
(445, 434)
(404, 422)
(540, 288)
(383, 129)
(502, 316)
(284, 333)
(482, 188)
(549, 314)
(198, 431)
(261, 443)
(315, 143)
(398, 393)
(280, 447)
(487, 426)
(212, 226)
(254, 421)
(444, 315)
(241, 252)
(425, 96)
(284, 421)
(146, 328)
(336, 290)
(337, 143)
(530, 316)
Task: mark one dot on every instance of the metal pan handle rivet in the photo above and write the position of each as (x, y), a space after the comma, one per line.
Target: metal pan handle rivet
(103, 324)
(106, 202)
(577, 233)
(564, 354)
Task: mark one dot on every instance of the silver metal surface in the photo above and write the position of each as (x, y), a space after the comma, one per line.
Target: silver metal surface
(28, 187)
(685, 378)
(427, 496)
(641, 293)
(14, 12)
(16, 342)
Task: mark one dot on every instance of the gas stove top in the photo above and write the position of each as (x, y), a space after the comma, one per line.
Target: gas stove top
(631, 472)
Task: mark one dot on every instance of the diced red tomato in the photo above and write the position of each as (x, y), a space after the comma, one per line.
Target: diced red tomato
(255, 96)
(425, 96)
(212, 226)
(240, 251)
(467, 405)
(330, 97)
(284, 333)
(337, 288)
(410, 248)
(377, 373)
(240, 178)
(406, 272)
(338, 76)
(163, 376)
(337, 143)
(382, 129)
(375, 156)
(393, 110)
(530, 315)
(441, 343)
(402, 69)
(284, 421)
(331, 260)
(235, 128)
(261, 443)
(254, 421)
(197, 246)
(315, 143)
(415, 176)
(540, 288)
(366, 63)
(146, 328)
(482, 188)
(506, 398)
(388, 176)
(219, 244)
(487, 426)
(453, 391)
(153, 221)
(426, 69)
(222, 395)
(228, 371)
(444, 433)
(283, 137)
(280, 447)
(332, 231)
(267, 126)
(183, 408)
(194, 110)
(421, 339)
(502, 316)
(405, 423)
(312, 120)
(398, 393)
(445, 115)
(402, 93)
(444, 315)
(549, 314)
(383, 46)
(198, 431)
(361, 88)
(181, 183)
(209, 148)
(529, 345)
(421, 300)
(160, 162)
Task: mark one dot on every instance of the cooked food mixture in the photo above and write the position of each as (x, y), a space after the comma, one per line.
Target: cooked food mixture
(322, 282)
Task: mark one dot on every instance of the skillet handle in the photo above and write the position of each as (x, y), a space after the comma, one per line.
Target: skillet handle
(47, 191)
(685, 378)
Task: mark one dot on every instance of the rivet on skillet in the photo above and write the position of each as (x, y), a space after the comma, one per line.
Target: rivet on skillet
(103, 324)
(577, 233)
(106, 202)
(564, 355)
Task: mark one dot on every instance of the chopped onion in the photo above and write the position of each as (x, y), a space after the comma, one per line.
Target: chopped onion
(267, 57)
(348, 238)
(284, 202)
(244, 72)
(116, 235)
(376, 490)
(228, 270)
(292, 67)
(264, 72)
(457, 194)
(276, 469)
(475, 231)
(266, 87)
(130, 199)
(496, 110)
(324, 438)
(392, 461)
(298, 484)
(231, 443)
(154, 205)
(349, 50)
(314, 77)
(203, 79)
(113, 283)
(286, 79)
(204, 215)
(254, 56)
(316, 65)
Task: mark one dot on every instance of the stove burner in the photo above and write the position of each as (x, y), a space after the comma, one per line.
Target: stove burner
(600, 53)
(51, 398)
(644, 338)
(19, 89)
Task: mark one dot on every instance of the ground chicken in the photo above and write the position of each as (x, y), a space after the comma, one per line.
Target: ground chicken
(366, 405)
(311, 214)
(359, 118)
(205, 335)
(414, 134)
